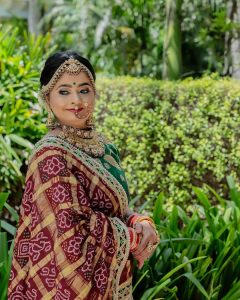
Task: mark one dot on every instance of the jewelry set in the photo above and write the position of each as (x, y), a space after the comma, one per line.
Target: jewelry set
(86, 138)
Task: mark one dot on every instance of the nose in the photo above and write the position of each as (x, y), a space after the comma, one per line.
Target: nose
(76, 98)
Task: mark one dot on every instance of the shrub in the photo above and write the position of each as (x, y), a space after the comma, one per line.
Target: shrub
(198, 256)
(173, 135)
(6, 249)
(21, 119)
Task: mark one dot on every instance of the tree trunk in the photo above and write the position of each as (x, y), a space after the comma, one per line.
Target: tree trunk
(232, 41)
(172, 52)
(33, 16)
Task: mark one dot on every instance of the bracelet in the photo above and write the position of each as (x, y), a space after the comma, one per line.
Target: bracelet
(134, 239)
(135, 218)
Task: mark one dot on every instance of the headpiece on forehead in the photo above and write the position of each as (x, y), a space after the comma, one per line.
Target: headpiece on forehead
(71, 66)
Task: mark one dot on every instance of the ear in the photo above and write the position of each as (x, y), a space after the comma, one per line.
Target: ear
(47, 98)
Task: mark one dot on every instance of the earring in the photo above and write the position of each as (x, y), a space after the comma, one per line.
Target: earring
(90, 122)
(51, 120)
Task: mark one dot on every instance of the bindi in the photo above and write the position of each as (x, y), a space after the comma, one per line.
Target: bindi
(74, 83)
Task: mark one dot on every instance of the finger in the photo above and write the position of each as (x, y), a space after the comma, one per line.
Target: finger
(138, 228)
(143, 256)
(140, 264)
(142, 246)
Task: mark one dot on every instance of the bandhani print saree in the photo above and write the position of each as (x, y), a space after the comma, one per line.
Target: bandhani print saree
(71, 241)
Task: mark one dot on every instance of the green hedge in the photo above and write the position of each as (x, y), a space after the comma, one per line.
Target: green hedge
(173, 135)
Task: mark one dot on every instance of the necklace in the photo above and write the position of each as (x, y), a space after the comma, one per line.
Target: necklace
(88, 140)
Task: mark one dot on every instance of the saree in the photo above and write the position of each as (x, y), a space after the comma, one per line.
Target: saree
(71, 240)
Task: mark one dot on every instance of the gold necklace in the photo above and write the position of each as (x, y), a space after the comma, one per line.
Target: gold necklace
(87, 140)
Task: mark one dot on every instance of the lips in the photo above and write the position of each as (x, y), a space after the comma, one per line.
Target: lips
(74, 110)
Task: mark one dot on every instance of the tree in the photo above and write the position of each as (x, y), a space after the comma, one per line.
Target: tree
(33, 16)
(232, 40)
(172, 54)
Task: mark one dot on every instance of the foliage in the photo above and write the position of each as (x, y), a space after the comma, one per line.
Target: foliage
(198, 256)
(173, 135)
(6, 251)
(21, 117)
(119, 37)
(126, 38)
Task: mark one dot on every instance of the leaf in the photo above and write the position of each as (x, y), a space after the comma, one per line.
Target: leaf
(197, 283)
(202, 197)
(150, 293)
(3, 199)
(234, 193)
(12, 211)
(140, 279)
(158, 208)
(21, 141)
(4, 247)
(174, 270)
(8, 227)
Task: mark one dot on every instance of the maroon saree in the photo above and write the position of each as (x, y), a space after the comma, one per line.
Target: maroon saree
(71, 241)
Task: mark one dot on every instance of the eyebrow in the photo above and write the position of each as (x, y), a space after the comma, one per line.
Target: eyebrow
(69, 85)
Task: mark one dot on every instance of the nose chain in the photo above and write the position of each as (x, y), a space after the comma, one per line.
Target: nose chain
(83, 116)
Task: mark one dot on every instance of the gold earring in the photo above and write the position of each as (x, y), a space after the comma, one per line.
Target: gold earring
(51, 120)
(90, 122)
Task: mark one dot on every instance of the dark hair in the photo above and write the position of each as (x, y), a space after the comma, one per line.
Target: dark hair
(55, 60)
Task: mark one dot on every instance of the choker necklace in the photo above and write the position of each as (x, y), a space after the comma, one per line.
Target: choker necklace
(88, 140)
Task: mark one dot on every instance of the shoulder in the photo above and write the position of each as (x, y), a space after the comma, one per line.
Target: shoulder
(46, 147)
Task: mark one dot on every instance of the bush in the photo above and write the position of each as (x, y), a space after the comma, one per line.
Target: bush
(21, 118)
(198, 256)
(6, 249)
(173, 135)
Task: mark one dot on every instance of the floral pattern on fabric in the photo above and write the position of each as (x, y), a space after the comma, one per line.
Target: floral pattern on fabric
(66, 246)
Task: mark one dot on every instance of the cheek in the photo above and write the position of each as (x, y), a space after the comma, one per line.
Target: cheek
(92, 103)
(57, 102)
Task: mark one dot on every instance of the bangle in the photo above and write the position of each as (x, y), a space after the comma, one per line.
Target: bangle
(135, 218)
(131, 219)
(134, 239)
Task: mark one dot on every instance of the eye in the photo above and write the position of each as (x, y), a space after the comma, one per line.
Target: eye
(63, 92)
(85, 91)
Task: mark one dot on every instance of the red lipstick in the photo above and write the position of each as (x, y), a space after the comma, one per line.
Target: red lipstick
(74, 110)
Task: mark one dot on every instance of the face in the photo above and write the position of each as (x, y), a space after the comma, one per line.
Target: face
(72, 99)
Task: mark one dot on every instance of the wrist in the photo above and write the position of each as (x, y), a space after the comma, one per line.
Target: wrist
(134, 239)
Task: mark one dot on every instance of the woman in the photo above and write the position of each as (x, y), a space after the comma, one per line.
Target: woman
(76, 237)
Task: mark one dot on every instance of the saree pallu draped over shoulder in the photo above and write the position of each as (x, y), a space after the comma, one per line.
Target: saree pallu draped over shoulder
(71, 241)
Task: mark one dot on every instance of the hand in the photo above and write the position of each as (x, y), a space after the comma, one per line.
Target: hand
(148, 235)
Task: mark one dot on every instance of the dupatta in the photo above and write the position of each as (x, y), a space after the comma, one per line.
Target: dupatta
(71, 241)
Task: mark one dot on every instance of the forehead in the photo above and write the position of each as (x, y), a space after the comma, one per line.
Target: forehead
(68, 78)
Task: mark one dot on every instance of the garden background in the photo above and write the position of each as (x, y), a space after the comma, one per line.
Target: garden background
(168, 77)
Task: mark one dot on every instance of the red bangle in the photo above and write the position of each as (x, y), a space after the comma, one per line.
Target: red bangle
(134, 239)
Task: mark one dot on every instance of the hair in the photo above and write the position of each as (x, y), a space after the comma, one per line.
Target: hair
(54, 61)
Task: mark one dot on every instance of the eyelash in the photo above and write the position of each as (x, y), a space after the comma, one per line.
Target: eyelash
(63, 92)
